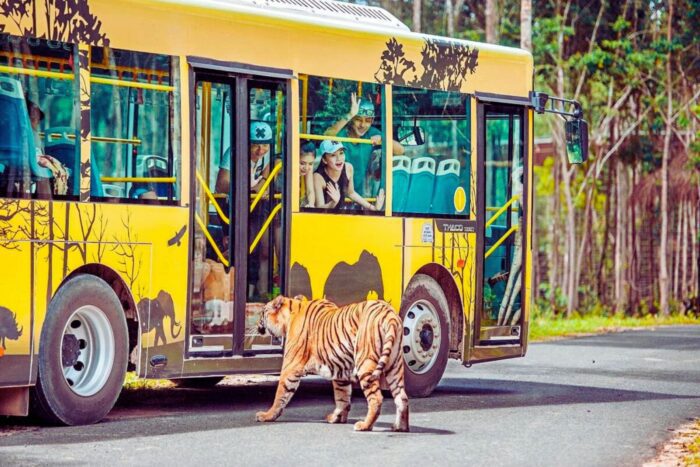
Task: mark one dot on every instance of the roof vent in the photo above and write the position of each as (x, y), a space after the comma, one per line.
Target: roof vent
(330, 9)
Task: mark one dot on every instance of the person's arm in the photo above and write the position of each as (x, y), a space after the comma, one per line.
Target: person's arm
(398, 148)
(320, 185)
(352, 194)
(263, 178)
(310, 191)
(223, 179)
(340, 124)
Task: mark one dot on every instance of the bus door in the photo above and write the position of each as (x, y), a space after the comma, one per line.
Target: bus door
(500, 214)
(238, 258)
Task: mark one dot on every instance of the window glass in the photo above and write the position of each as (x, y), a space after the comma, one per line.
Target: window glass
(134, 120)
(39, 118)
(342, 122)
(433, 176)
(503, 235)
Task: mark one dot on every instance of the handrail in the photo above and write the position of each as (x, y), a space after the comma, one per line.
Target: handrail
(264, 227)
(502, 210)
(262, 190)
(139, 179)
(131, 84)
(37, 73)
(211, 197)
(93, 79)
(500, 240)
(206, 233)
(99, 139)
(342, 139)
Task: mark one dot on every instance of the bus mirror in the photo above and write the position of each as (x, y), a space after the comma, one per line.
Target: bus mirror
(577, 140)
(411, 135)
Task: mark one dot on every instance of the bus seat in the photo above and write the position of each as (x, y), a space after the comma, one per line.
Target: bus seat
(150, 165)
(17, 148)
(401, 172)
(446, 182)
(58, 145)
(112, 191)
(420, 188)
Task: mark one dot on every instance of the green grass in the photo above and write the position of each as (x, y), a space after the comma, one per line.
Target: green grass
(543, 328)
(693, 448)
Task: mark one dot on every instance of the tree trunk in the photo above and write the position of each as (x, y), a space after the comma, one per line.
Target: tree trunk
(663, 244)
(417, 6)
(526, 25)
(450, 18)
(491, 14)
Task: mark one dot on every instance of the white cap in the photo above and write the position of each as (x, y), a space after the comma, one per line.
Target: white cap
(330, 146)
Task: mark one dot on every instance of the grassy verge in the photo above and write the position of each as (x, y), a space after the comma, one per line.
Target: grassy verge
(543, 327)
(693, 447)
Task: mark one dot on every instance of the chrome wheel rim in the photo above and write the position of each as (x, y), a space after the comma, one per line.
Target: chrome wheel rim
(421, 337)
(87, 350)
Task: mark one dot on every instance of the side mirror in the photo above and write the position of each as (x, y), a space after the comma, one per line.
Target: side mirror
(577, 140)
(410, 135)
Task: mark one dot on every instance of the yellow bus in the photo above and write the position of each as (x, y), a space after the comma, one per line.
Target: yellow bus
(168, 165)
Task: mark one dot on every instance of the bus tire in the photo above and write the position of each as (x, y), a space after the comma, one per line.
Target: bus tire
(426, 335)
(82, 354)
(198, 383)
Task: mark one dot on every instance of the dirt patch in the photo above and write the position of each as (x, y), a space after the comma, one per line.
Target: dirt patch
(681, 449)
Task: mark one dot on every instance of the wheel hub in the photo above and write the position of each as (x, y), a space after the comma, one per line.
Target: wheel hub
(421, 336)
(70, 350)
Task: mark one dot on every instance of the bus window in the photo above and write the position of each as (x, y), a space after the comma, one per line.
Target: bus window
(434, 175)
(345, 117)
(134, 120)
(39, 118)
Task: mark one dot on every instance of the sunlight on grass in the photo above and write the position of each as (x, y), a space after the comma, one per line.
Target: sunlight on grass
(132, 382)
(543, 328)
(693, 448)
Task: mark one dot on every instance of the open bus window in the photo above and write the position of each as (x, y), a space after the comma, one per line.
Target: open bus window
(39, 116)
(344, 116)
(433, 177)
(134, 102)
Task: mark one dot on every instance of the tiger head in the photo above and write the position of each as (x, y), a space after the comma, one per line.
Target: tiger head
(276, 315)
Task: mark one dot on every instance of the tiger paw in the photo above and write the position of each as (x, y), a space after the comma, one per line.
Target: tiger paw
(264, 417)
(362, 426)
(335, 417)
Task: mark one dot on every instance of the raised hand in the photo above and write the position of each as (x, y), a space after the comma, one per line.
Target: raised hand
(354, 105)
(333, 193)
(379, 203)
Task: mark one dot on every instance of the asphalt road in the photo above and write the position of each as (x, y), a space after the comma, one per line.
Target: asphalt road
(606, 400)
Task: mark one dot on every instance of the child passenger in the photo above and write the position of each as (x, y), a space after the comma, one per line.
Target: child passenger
(333, 180)
(307, 197)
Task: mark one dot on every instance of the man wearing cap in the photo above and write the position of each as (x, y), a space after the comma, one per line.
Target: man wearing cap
(260, 140)
(357, 123)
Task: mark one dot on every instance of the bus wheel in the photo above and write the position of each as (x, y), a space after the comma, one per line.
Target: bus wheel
(82, 353)
(198, 383)
(426, 326)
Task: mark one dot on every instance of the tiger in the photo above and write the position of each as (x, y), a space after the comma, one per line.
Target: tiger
(355, 342)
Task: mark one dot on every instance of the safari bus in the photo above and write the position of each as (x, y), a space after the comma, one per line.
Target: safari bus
(167, 166)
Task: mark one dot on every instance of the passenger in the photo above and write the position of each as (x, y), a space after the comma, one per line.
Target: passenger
(307, 198)
(333, 180)
(260, 140)
(59, 180)
(142, 190)
(357, 123)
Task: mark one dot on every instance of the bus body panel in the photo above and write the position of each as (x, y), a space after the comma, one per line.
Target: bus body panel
(148, 251)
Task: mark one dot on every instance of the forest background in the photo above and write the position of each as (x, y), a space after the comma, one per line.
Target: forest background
(620, 233)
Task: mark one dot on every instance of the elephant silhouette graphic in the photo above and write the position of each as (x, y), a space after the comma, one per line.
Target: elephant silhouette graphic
(157, 310)
(351, 283)
(9, 329)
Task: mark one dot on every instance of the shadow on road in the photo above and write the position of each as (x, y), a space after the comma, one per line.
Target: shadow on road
(155, 412)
